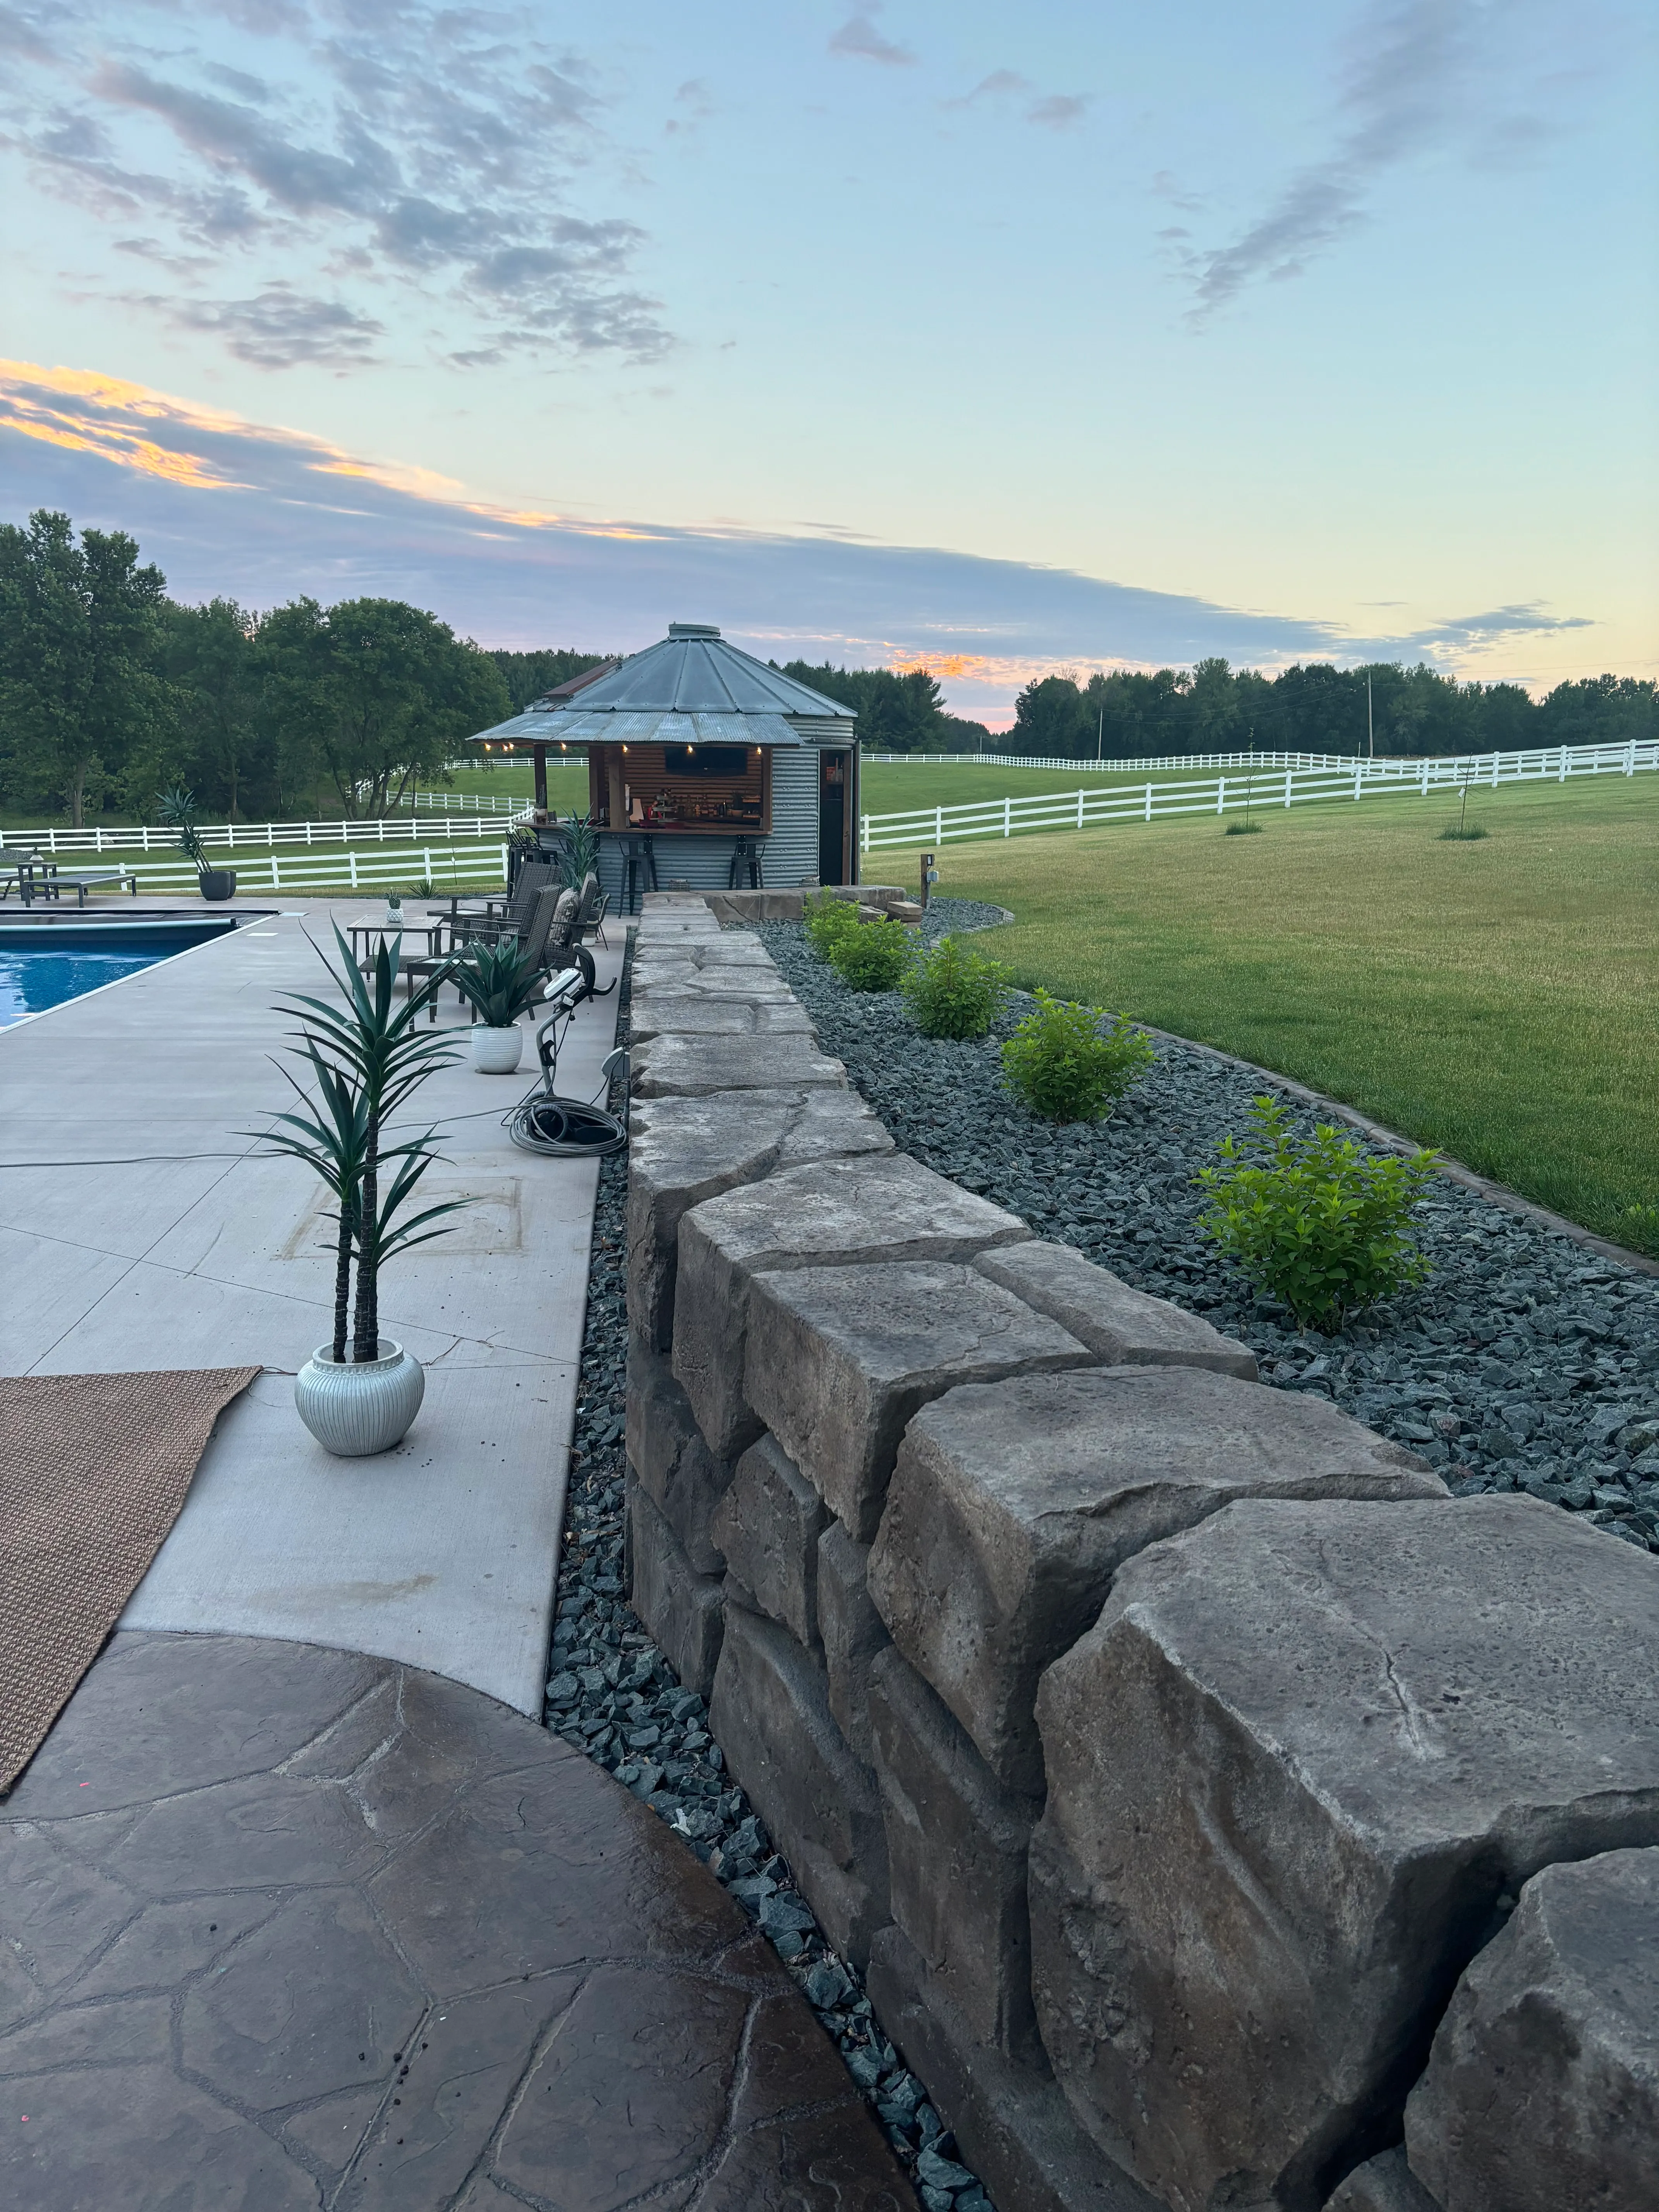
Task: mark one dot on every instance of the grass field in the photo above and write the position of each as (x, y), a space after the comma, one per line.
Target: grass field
(1499, 1000)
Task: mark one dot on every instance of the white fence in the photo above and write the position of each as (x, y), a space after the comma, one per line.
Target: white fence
(292, 856)
(1105, 767)
(462, 802)
(1261, 787)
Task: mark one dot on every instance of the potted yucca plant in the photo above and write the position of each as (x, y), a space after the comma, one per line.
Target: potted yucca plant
(177, 811)
(359, 1393)
(499, 984)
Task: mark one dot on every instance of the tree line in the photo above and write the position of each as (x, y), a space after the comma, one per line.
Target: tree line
(1317, 708)
(109, 692)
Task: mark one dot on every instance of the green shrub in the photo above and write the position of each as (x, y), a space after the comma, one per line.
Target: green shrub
(1315, 1221)
(954, 990)
(1074, 1063)
(873, 956)
(828, 919)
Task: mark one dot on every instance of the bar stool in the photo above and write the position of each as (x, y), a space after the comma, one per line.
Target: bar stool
(641, 859)
(746, 851)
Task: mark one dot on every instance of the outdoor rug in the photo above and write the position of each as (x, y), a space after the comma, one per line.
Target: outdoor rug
(93, 1469)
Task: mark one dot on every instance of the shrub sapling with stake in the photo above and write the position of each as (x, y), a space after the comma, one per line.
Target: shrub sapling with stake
(873, 956)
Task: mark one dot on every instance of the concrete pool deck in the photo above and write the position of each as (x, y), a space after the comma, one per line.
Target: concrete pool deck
(442, 1555)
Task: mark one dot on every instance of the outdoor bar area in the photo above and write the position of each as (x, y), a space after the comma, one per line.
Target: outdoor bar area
(705, 768)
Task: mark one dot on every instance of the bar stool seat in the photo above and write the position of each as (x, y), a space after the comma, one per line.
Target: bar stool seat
(746, 852)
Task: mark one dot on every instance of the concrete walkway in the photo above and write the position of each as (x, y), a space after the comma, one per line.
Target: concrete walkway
(288, 1928)
(442, 1553)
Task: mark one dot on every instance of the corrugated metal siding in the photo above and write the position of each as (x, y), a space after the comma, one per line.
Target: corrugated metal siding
(790, 851)
(824, 729)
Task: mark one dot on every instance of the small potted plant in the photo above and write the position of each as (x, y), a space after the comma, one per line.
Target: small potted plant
(394, 911)
(178, 810)
(499, 985)
(358, 1393)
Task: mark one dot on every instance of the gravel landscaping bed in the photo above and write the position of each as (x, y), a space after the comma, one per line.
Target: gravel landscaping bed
(1524, 1363)
(613, 1695)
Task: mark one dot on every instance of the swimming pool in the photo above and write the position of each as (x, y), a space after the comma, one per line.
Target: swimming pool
(44, 964)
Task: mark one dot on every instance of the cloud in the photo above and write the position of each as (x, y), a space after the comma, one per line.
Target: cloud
(227, 504)
(1421, 76)
(277, 328)
(1053, 110)
(859, 37)
(429, 178)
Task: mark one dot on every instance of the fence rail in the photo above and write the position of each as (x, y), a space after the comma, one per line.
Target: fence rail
(294, 856)
(1260, 787)
(1105, 767)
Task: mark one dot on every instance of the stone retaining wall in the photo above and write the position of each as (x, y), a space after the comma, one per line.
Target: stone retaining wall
(1221, 1814)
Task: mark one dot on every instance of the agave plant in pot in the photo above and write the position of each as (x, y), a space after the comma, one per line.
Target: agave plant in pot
(178, 810)
(499, 984)
(360, 1392)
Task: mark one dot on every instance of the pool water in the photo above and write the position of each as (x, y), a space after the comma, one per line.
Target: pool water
(36, 973)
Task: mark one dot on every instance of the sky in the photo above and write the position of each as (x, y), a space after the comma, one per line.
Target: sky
(994, 341)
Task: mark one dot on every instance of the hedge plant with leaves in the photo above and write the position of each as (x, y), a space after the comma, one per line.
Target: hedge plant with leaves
(954, 990)
(1315, 1221)
(1073, 1063)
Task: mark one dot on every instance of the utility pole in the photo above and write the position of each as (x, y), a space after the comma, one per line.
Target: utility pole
(1371, 727)
(1100, 734)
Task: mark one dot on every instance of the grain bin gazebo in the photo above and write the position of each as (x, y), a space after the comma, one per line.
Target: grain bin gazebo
(704, 766)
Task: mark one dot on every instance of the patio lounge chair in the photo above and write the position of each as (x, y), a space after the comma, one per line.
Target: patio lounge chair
(55, 881)
(484, 923)
(595, 905)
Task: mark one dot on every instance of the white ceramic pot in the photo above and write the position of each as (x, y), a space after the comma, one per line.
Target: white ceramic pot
(394, 917)
(496, 1051)
(357, 1407)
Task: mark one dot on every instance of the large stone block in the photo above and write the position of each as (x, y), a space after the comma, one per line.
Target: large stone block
(692, 1067)
(767, 1526)
(852, 1631)
(1542, 2088)
(1122, 1327)
(956, 1859)
(667, 1452)
(683, 1151)
(838, 1212)
(1291, 1772)
(676, 1010)
(684, 1611)
(1015, 2128)
(770, 1717)
(1013, 1506)
(1385, 2184)
(840, 1358)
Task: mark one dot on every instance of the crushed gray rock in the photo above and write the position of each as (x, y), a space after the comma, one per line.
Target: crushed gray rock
(1523, 1363)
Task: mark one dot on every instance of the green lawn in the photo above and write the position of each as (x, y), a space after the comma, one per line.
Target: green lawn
(1499, 999)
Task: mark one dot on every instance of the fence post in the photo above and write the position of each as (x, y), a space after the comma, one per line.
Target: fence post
(1007, 820)
(1080, 810)
(1562, 777)
(1149, 802)
(504, 853)
(1289, 773)
(98, 839)
(427, 857)
(1220, 794)
(308, 828)
(1629, 757)
(276, 874)
(351, 862)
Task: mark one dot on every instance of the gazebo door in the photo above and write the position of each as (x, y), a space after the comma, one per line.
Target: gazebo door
(833, 855)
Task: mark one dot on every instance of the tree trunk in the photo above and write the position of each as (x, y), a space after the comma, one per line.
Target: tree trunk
(367, 1330)
(77, 798)
(343, 1282)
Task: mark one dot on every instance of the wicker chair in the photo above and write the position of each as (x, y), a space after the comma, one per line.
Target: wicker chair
(479, 926)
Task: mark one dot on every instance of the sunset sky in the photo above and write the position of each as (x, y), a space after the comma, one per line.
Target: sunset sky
(1002, 340)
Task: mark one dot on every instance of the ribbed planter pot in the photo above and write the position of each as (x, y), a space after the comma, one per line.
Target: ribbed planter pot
(496, 1051)
(354, 1408)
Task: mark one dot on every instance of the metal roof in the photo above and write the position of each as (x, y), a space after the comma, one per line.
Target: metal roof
(574, 726)
(694, 670)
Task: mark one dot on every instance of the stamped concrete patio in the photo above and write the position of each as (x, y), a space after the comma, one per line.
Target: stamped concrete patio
(295, 1909)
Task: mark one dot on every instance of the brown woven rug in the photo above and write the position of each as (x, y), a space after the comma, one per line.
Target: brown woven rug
(93, 1469)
